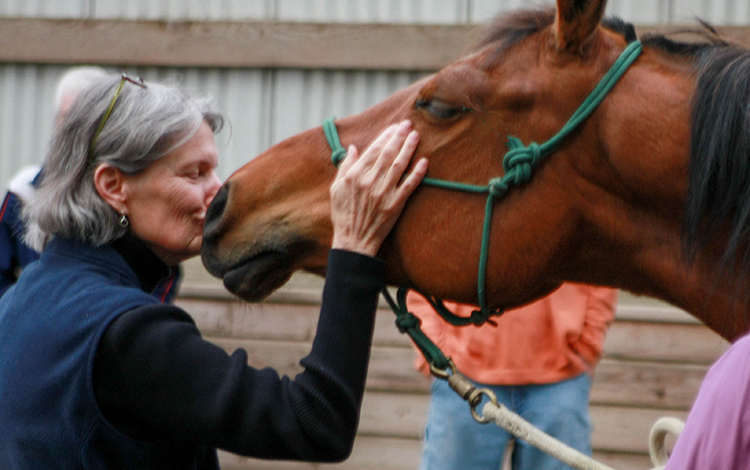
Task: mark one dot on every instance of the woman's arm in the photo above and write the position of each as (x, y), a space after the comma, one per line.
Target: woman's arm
(156, 378)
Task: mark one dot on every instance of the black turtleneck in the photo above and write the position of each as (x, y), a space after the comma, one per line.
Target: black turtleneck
(149, 268)
(155, 378)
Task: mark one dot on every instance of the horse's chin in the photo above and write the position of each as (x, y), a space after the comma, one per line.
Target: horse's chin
(257, 277)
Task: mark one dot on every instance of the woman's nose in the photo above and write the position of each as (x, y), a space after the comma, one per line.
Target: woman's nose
(214, 184)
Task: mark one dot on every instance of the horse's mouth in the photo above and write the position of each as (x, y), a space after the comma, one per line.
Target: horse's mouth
(255, 278)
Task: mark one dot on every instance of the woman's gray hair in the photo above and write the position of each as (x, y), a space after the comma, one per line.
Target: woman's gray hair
(145, 125)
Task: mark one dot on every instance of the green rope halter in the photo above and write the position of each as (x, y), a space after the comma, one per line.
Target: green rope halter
(518, 163)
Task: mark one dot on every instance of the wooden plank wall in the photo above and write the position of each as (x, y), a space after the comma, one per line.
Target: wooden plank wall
(655, 359)
(250, 44)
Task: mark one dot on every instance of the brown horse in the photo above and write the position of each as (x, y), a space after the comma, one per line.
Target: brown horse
(650, 194)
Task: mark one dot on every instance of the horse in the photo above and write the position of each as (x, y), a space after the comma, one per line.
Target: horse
(650, 193)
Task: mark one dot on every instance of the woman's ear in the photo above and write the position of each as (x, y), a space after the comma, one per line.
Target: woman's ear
(110, 184)
(576, 21)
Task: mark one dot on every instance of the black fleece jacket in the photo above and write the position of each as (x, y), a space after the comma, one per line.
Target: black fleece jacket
(155, 377)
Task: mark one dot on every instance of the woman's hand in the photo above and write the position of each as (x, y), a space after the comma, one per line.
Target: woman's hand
(366, 197)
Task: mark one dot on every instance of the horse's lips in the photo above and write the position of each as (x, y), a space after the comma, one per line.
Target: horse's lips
(257, 277)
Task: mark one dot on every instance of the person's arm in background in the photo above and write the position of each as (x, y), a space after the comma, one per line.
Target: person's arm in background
(8, 215)
(600, 313)
(14, 253)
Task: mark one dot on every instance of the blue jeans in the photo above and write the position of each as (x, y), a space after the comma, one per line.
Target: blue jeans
(454, 441)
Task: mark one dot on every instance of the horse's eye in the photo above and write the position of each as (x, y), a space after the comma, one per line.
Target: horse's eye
(440, 109)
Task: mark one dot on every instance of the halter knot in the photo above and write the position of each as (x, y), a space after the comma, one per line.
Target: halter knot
(497, 187)
(338, 152)
(479, 317)
(338, 155)
(406, 321)
(520, 160)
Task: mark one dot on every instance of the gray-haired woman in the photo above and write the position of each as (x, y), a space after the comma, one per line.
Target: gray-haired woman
(96, 373)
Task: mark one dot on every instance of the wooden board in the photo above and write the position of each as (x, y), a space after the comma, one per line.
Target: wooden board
(258, 44)
(375, 453)
(628, 340)
(254, 44)
(627, 383)
(370, 453)
(678, 343)
(622, 449)
(647, 384)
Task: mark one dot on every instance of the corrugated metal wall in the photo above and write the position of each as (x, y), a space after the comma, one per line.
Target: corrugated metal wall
(390, 11)
(265, 106)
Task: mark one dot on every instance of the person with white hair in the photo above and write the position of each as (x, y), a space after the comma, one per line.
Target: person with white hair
(15, 254)
(98, 373)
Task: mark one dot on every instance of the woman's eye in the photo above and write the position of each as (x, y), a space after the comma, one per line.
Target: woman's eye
(440, 109)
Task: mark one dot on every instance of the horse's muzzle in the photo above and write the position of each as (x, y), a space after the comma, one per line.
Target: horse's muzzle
(212, 231)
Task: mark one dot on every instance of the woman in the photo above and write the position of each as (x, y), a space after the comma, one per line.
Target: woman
(96, 373)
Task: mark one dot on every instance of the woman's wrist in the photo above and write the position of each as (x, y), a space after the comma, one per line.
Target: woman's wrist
(358, 246)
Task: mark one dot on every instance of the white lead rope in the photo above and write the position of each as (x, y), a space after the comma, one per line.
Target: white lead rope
(518, 427)
(522, 429)
(662, 427)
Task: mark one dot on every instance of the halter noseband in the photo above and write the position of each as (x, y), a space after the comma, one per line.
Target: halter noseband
(518, 163)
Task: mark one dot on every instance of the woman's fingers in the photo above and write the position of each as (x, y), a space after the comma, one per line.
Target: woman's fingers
(352, 156)
(412, 180)
(368, 194)
(395, 171)
(375, 149)
(391, 149)
(379, 155)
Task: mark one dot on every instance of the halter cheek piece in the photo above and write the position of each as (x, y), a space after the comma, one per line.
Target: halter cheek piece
(518, 163)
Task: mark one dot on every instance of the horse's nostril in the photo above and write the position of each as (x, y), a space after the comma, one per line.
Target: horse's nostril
(216, 209)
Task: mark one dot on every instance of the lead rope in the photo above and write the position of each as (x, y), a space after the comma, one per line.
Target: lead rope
(519, 428)
(518, 163)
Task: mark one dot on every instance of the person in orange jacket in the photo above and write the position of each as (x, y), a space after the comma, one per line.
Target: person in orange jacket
(539, 361)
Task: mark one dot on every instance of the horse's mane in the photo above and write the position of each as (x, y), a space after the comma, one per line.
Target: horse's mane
(719, 179)
(719, 174)
(718, 192)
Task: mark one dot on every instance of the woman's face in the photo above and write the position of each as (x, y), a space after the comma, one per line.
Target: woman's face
(167, 203)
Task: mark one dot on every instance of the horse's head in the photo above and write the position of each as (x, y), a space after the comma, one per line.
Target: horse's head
(606, 207)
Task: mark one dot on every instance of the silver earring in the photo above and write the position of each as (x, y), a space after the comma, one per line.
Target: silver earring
(124, 222)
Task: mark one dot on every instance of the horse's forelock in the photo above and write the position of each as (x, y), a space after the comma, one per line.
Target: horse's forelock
(513, 27)
(510, 28)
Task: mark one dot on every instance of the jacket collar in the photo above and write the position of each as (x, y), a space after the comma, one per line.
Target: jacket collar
(148, 267)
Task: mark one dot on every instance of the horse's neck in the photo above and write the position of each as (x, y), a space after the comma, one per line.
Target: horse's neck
(707, 289)
(647, 257)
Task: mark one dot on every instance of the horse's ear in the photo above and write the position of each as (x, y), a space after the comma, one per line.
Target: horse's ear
(576, 20)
